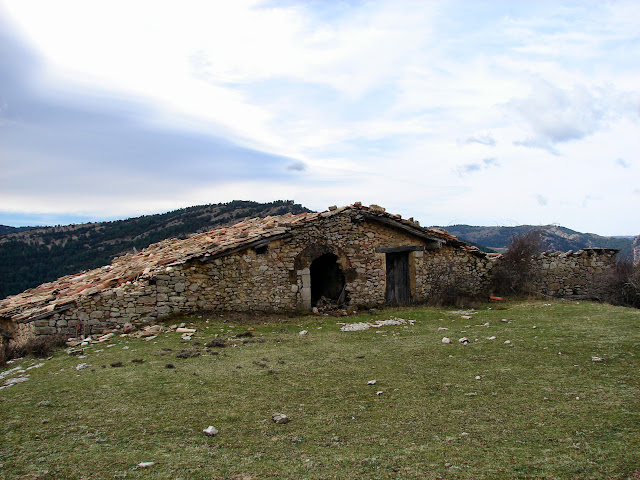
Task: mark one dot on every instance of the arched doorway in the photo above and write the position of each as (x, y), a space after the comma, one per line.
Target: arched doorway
(327, 280)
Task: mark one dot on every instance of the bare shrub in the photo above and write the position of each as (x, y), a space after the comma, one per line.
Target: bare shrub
(514, 272)
(43, 346)
(621, 284)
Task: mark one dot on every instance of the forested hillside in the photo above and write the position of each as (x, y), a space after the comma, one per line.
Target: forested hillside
(31, 257)
(4, 229)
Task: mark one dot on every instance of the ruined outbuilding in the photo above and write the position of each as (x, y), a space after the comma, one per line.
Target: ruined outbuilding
(349, 256)
(354, 256)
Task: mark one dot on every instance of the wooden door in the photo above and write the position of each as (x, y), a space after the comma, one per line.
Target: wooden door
(398, 291)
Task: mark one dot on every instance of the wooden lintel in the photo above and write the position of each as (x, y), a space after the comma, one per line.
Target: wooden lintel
(48, 314)
(408, 248)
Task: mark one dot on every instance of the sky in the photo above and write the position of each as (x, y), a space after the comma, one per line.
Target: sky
(452, 112)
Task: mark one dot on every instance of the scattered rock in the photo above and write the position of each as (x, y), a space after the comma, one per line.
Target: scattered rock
(507, 342)
(354, 327)
(463, 340)
(185, 330)
(491, 338)
(280, 418)
(303, 332)
(12, 381)
(44, 403)
(446, 340)
(210, 430)
(12, 371)
(371, 382)
(82, 366)
(106, 337)
(148, 331)
(379, 392)
(442, 329)
(597, 359)
(146, 464)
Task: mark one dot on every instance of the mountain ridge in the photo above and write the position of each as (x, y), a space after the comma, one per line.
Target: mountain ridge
(554, 237)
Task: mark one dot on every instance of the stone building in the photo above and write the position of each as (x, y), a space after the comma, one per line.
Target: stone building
(353, 256)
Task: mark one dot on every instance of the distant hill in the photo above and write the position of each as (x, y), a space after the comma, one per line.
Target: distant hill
(554, 238)
(29, 257)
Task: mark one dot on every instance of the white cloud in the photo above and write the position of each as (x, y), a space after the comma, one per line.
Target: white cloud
(427, 107)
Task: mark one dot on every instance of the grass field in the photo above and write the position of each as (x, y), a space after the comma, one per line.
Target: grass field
(537, 407)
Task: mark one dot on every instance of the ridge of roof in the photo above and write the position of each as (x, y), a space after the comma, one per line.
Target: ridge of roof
(59, 294)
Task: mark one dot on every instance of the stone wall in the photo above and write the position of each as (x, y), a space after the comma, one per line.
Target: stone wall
(275, 277)
(573, 274)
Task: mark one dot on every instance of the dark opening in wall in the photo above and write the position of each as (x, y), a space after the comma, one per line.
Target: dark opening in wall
(261, 250)
(327, 280)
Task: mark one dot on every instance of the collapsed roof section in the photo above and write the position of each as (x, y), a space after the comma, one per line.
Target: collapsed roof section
(63, 293)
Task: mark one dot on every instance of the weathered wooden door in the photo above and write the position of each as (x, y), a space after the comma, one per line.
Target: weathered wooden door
(398, 291)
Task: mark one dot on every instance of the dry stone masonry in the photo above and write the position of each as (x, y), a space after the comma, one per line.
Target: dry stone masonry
(573, 274)
(354, 256)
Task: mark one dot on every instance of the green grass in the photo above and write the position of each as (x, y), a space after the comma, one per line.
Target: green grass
(541, 409)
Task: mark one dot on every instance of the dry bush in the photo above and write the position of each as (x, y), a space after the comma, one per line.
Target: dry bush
(41, 347)
(621, 285)
(514, 272)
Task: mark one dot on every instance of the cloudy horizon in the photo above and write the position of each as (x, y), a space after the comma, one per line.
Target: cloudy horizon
(451, 112)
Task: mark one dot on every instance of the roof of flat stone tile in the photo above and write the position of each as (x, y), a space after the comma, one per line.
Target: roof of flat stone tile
(44, 300)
